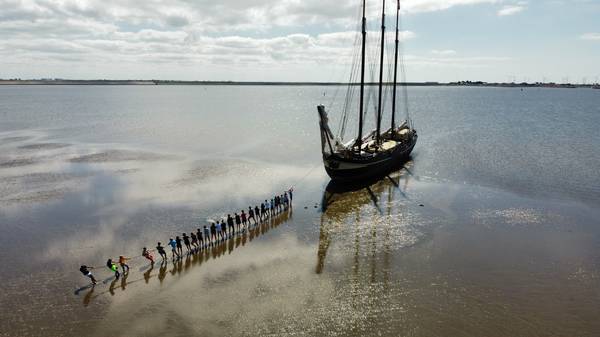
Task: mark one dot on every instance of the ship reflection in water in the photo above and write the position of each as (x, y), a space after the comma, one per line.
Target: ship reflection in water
(373, 211)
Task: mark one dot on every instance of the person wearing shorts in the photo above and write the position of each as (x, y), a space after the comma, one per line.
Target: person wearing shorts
(194, 240)
(200, 238)
(161, 250)
(244, 220)
(84, 270)
(223, 229)
(257, 213)
(213, 232)
(238, 222)
(230, 224)
(251, 215)
(173, 245)
(122, 260)
(113, 267)
(186, 241)
(206, 235)
(147, 255)
(179, 246)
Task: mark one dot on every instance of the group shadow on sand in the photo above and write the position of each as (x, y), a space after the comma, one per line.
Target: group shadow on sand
(162, 269)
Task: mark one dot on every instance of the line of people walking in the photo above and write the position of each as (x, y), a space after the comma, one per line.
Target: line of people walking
(216, 233)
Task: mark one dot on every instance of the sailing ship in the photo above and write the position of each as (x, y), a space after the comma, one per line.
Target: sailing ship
(377, 152)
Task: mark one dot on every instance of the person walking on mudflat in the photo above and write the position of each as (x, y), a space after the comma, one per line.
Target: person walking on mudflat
(250, 215)
(147, 255)
(244, 219)
(113, 267)
(257, 212)
(272, 207)
(200, 237)
(173, 245)
(223, 229)
(194, 240)
(230, 224)
(179, 246)
(213, 232)
(267, 212)
(161, 250)
(206, 235)
(84, 270)
(186, 241)
(238, 221)
(218, 229)
(122, 260)
(262, 211)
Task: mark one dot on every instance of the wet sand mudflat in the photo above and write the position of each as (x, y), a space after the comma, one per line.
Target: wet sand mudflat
(453, 244)
(405, 255)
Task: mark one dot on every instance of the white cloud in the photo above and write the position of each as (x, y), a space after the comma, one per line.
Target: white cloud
(451, 61)
(512, 9)
(105, 37)
(416, 6)
(590, 36)
(446, 52)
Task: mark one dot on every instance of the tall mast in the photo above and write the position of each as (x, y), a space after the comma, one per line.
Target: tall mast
(395, 70)
(381, 73)
(362, 77)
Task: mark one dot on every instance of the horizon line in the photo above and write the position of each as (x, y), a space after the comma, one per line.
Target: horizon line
(64, 81)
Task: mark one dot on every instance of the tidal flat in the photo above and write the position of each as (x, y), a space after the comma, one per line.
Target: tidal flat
(491, 229)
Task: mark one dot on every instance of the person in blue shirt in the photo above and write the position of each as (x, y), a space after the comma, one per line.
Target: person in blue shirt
(173, 245)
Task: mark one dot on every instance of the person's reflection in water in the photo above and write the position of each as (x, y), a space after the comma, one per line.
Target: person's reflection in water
(179, 266)
(88, 297)
(173, 271)
(147, 273)
(188, 262)
(230, 244)
(162, 272)
(111, 288)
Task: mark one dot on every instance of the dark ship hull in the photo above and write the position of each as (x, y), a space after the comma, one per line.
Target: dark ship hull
(362, 168)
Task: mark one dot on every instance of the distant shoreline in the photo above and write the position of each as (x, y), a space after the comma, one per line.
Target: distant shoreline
(258, 83)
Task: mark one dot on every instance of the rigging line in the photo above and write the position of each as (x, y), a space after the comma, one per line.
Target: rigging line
(352, 69)
(306, 175)
(372, 86)
(350, 90)
(389, 73)
(337, 90)
(403, 78)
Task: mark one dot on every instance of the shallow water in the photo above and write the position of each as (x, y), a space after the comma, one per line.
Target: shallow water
(491, 229)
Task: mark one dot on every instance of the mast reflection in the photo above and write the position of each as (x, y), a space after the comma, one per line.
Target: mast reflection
(343, 204)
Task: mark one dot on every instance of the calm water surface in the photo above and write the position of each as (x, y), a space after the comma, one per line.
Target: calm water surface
(490, 230)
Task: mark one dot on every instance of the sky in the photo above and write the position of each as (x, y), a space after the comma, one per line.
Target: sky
(297, 40)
